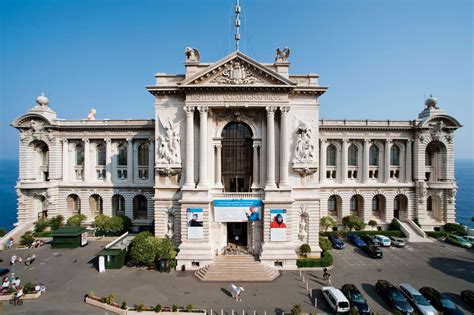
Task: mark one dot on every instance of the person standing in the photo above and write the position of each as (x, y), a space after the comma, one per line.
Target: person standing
(329, 280)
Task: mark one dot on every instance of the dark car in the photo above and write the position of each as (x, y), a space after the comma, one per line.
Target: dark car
(393, 296)
(356, 299)
(336, 242)
(468, 297)
(372, 251)
(440, 302)
(4, 271)
(356, 240)
(370, 240)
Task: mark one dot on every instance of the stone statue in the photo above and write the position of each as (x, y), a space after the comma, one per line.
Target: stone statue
(170, 231)
(303, 224)
(192, 54)
(36, 126)
(169, 151)
(91, 115)
(304, 148)
(282, 55)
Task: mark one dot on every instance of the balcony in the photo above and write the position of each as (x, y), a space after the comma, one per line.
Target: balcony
(238, 195)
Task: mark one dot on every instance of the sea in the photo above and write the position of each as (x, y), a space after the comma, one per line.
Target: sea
(464, 171)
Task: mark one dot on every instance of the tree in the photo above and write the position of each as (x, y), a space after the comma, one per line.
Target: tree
(454, 228)
(112, 226)
(327, 222)
(305, 249)
(76, 220)
(144, 249)
(353, 222)
(56, 222)
(27, 239)
(373, 224)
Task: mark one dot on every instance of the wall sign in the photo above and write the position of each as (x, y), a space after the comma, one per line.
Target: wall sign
(195, 223)
(238, 210)
(278, 225)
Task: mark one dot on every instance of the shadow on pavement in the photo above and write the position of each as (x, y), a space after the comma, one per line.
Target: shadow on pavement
(454, 267)
(370, 290)
(322, 304)
(457, 299)
(226, 292)
(94, 262)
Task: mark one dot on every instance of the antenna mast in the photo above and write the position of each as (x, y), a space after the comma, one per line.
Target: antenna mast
(237, 26)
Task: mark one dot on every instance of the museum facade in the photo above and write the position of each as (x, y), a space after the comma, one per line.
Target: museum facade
(237, 158)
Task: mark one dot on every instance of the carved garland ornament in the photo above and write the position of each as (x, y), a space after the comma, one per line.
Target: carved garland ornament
(236, 73)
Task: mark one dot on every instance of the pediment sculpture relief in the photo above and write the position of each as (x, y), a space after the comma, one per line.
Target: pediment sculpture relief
(169, 151)
(236, 73)
(304, 152)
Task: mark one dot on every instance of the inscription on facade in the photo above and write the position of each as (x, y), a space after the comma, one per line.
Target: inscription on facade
(237, 97)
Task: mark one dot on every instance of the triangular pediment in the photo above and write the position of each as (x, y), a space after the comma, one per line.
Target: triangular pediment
(237, 69)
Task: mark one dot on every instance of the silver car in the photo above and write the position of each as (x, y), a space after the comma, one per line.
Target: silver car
(397, 241)
(417, 300)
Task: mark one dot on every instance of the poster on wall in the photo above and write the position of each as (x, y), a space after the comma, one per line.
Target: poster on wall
(195, 223)
(278, 225)
(238, 210)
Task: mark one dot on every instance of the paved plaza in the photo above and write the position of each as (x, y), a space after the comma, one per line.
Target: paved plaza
(70, 273)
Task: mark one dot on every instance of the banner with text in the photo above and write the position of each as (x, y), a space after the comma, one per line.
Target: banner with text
(278, 225)
(195, 223)
(240, 210)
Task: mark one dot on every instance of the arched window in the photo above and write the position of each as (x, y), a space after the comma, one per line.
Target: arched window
(429, 204)
(96, 205)
(79, 155)
(74, 204)
(353, 155)
(100, 155)
(122, 155)
(140, 207)
(395, 155)
(143, 155)
(237, 157)
(332, 204)
(42, 157)
(376, 204)
(374, 155)
(331, 155)
(118, 205)
(354, 205)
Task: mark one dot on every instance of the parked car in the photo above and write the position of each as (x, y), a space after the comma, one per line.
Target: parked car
(468, 297)
(393, 296)
(372, 251)
(470, 239)
(356, 299)
(442, 303)
(337, 242)
(397, 241)
(356, 240)
(4, 271)
(336, 300)
(384, 241)
(370, 240)
(420, 303)
(458, 240)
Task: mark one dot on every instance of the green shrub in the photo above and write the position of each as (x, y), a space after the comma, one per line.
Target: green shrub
(454, 228)
(144, 249)
(325, 244)
(174, 308)
(41, 225)
(111, 226)
(29, 288)
(110, 299)
(139, 307)
(76, 220)
(56, 222)
(394, 225)
(157, 308)
(124, 305)
(344, 233)
(27, 239)
(126, 222)
(353, 222)
(436, 234)
(43, 234)
(296, 310)
(189, 308)
(326, 260)
(327, 222)
(305, 249)
(2, 232)
(372, 223)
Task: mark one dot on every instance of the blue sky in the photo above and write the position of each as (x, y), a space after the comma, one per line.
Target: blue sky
(380, 58)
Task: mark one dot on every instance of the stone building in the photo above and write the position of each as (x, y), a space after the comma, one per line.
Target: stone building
(237, 158)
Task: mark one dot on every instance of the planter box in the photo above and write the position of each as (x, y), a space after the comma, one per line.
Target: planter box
(106, 307)
(29, 296)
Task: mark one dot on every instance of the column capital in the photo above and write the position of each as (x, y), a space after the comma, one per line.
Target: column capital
(218, 145)
(188, 109)
(323, 140)
(409, 140)
(256, 146)
(271, 110)
(129, 140)
(344, 140)
(203, 110)
(284, 110)
(86, 140)
(108, 140)
(65, 141)
(388, 141)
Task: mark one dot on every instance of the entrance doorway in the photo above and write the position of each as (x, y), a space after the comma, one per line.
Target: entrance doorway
(237, 233)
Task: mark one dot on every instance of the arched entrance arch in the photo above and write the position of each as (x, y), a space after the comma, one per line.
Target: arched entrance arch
(237, 155)
(400, 206)
(435, 162)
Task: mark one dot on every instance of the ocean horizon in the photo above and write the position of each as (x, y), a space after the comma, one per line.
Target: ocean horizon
(464, 173)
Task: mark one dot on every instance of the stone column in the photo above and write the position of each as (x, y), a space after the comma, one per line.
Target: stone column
(322, 161)
(65, 160)
(108, 159)
(344, 160)
(408, 161)
(387, 160)
(151, 164)
(87, 160)
(203, 110)
(284, 146)
(218, 179)
(255, 168)
(189, 170)
(271, 147)
(365, 176)
(130, 160)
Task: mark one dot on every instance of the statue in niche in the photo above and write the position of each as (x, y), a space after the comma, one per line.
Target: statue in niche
(170, 226)
(303, 224)
(304, 148)
(192, 54)
(169, 151)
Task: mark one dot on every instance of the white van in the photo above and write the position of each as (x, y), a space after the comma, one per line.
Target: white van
(336, 299)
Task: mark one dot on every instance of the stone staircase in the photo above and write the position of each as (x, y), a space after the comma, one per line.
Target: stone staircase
(238, 268)
(414, 233)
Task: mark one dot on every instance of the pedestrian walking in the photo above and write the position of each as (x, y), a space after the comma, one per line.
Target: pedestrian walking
(329, 280)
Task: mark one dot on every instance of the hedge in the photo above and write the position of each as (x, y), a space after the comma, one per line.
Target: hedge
(436, 234)
(325, 261)
(344, 233)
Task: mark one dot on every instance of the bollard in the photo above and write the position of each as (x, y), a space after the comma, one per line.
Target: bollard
(254, 312)
(222, 311)
(303, 278)
(316, 302)
(243, 312)
(307, 286)
(211, 311)
(232, 312)
(311, 294)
